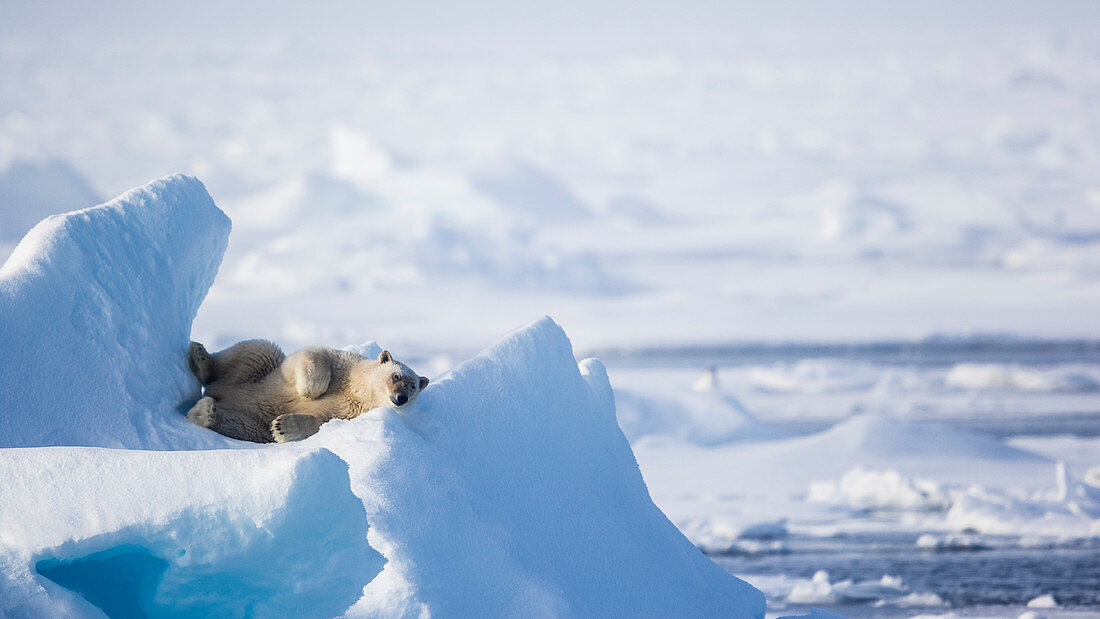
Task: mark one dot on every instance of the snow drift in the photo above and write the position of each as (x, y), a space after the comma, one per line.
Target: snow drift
(507, 489)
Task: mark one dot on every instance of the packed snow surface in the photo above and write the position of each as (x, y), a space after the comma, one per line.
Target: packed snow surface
(507, 489)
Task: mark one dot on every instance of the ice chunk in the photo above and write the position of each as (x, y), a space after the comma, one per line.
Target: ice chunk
(938, 543)
(888, 590)
(1043, 601)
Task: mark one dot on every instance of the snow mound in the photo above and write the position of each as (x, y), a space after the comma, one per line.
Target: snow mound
(979, 376)
(1070, 510)
(661, 409)
(700, 418)
(95, 312)
(865, 489)
(996, 512)
(265, 532)
(419, 224)
(876, 435)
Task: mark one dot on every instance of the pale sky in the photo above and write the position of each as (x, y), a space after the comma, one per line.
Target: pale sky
(113, 18)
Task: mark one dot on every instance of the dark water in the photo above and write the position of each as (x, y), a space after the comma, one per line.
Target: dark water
(922, 353)
(1003, 574)
(1075, 416)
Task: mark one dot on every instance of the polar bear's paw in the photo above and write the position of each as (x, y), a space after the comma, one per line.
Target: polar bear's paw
(203, 413)
(294, 427)
(200, 363)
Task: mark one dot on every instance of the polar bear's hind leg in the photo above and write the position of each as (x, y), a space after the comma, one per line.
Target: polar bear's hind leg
(249, 361)
(309, 371)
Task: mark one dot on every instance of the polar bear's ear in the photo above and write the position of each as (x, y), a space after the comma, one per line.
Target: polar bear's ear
(423, 382)
(385, 357)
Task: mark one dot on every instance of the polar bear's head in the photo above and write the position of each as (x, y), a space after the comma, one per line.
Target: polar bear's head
(398, 381)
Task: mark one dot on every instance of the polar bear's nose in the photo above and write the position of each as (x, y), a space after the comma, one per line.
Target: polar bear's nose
(400, 400)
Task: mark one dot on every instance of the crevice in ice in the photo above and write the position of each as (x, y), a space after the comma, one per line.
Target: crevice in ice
(121, 581)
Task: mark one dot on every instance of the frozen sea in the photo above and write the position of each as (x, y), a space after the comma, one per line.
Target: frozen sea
(1039, 395)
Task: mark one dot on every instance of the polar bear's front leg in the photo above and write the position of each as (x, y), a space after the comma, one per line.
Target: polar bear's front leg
(294, 427)
(309, 372)
(203, 413)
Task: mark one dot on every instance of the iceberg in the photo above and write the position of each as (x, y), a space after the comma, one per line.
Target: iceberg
(507, 488)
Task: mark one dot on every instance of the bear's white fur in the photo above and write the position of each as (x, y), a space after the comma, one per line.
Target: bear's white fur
(253, 392)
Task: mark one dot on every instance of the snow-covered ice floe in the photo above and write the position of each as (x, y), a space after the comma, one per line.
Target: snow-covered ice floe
(868, 475)
(508, 489)
(886, 591)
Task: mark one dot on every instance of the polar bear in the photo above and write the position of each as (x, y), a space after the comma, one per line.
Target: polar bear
(253, 392)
